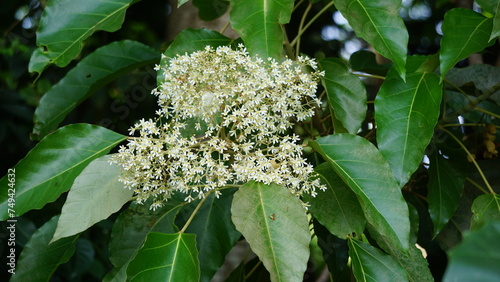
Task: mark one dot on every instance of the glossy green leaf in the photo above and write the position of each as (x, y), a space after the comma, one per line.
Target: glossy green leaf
(446, 180)
(337, 208)
(65, 24)
(94, 71)
(130, 231)
(50, 168)
(346, 94)
(406, 114)
(39, 259)
(496, 22)
(273, 222)
(413, 262)
(209, 10)
(371, 264)
(363, 168)
(464, 32)
(259, 22)
(379, 23)
(166, 257)
(215, 233)
(478, 256)
(191, 40)
(485, 208)
(94, 196)
(488, 5)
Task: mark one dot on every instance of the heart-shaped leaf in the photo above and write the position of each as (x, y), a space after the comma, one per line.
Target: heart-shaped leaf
(273, 222)
(94, 71)
(50, 168)
(166, 257)
(363, 168)
(259, 22)
(94, 196)
(379, 23)
(66, 23)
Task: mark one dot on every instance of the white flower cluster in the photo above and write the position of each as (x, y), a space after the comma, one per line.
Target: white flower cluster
(239, 109)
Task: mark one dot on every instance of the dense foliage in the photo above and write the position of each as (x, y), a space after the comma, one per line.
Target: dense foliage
(315, 159)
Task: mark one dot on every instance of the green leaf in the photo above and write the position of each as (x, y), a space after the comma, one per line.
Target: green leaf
(485, 208)
(50, 168)
(406, 114)
(94, 196)
(478, 256)
(488, 5)
(483, 76)
(66, 23)
(335, 252)
(363, 168)
(371, 264)
(39, 260)
(365, 61)
(337, 208)
(259, 22)
(464, 32)
(191, 40)
(346, 94)
(209, 10)
(166, 257)
(413, 262)
(130, 230)
(496, 23)
(273, 222)
(446, 180)
(89, 75)
(215, 233)
(379, 23)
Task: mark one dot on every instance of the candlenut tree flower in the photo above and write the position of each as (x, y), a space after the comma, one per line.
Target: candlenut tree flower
(222, 122)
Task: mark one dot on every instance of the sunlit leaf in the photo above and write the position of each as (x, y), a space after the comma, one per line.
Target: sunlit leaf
(130, 231)
(94, 71)
(371, 264)
(478, 256)
(379, 23)
(363, 168)
(273, 222)
(66, 23)
(406, 114)
(39, 259)
(50, 168)
(166, 257)
(446, 180)
(94, 196)
(346, 94)
(485, 208)
(464, 33)
(337, 208)
(259, 22)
